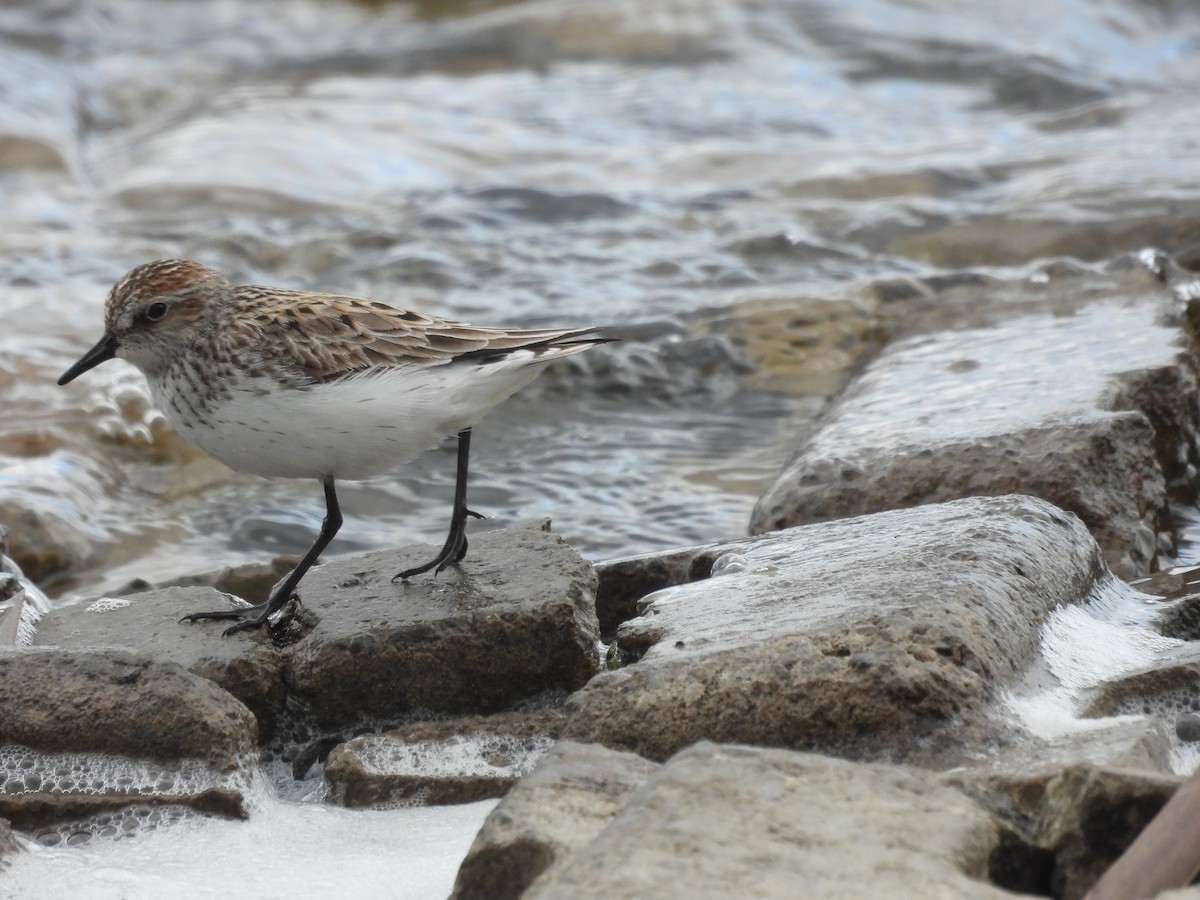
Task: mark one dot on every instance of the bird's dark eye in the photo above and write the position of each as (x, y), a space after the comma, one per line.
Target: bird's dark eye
(156, 311)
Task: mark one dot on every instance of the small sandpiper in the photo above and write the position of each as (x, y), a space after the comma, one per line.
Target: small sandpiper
(293, 384)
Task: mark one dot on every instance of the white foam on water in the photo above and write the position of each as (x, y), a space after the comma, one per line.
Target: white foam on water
(488, 755)
(1083, 647)
(285, 851)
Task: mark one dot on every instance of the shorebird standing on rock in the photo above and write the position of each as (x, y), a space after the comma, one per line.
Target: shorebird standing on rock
(293, 384)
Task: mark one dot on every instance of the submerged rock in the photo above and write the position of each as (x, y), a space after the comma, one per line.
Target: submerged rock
(42, 542)
(863, 637)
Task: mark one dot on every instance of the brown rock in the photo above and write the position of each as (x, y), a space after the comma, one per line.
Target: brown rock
(249, 668)
(816, 637)
(450, 761)
(516, 620)
(557, 809)
(116, 701)
(1099, 427)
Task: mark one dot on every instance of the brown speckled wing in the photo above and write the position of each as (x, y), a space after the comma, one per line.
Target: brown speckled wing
(323, 337)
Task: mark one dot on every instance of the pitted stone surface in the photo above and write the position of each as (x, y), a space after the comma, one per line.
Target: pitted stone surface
(1098, 426)
(859, 637)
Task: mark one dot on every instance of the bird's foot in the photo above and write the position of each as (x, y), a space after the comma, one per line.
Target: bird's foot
(452, 551)
(249, 617)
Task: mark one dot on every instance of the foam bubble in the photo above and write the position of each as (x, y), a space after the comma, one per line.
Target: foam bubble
(25, 771)
(107, 604)
(488, 755)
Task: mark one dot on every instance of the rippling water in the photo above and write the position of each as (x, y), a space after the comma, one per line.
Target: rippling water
(732, 185)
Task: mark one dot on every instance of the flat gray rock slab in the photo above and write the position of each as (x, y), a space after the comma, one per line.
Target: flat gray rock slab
(730, 821)
(861, 637)
(516, 619)
(249, 667)
(1087, 405)
(553, 812)
(114, 701)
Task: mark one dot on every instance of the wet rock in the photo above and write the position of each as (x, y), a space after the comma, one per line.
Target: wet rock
(117, 701)
(861, 637)
(48, 790)
(1019, 786)
(454, 761)
(624, 582)
(148, 623)
(87, 731)
(1099, 427)
(1091, 815)
(556, 810)
(22, 604)
(516, 620)
(1022, 768)
(721, 821)
(1178, 616)
(12, 609)
(42, 543)
(1169, 689)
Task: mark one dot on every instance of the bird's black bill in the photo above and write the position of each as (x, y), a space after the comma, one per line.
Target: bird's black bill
(102, 352)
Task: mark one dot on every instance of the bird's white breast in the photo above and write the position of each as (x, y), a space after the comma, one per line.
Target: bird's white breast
(352, 428)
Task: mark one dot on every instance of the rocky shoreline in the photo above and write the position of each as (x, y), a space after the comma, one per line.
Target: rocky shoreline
(921, 673)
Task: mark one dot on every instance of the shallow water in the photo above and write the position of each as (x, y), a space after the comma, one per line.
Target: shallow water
(733, 185)
(408, 854)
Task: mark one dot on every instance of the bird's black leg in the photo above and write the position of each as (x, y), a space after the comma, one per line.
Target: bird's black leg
(455, 547)
(256, 616)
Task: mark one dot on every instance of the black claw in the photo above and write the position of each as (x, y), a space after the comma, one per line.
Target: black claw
(248, 625)
(241, 613)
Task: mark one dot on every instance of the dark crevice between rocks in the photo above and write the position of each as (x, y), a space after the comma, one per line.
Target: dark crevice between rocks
(1179, 614)
(624, 582)
(507, 872)
(1019, 865)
